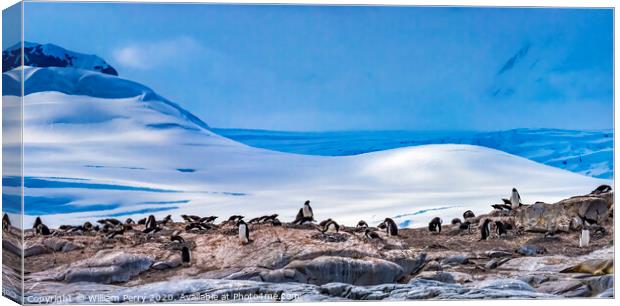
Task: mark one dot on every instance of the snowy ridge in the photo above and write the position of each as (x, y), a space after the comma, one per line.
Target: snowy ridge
(586, 152)
(50, 55)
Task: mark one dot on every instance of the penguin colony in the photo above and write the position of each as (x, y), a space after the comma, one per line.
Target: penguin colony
(111, 228)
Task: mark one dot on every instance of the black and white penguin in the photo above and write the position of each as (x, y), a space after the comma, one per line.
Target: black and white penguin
(190, 218)
(390, 227)
(330, 225)
(361, 224)
(244, 232)
(307, 210)
(6, 222)
(209, 219)
(186, 256)
(37, 222)
(235, 218)
(115, 232)
(142, 221)
(177, 238)
(601, 189)
(456, 221)
(129, 221)
(87, 226)
(501, 229)
(276, 222)
(485, 229)
(435, 225)
(151, 225)
(371, 235)
(468, 214)
(301, 219)
(515, 199)
(465, 226)
(254, 220)
(507, 201)
(43, 230)
(167, 219)
(502, 206)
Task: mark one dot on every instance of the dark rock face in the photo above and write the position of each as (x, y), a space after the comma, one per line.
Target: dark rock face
(38, 55)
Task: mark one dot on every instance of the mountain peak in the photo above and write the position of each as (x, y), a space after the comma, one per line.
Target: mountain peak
(50, 55)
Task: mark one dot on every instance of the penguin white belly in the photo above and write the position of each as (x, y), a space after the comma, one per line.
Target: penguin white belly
(514, 200)
(243, 236)
(307, 212)
(331, 227)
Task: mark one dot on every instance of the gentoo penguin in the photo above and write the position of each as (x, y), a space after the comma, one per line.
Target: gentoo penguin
(235, 218)
(87, 226)
(116, 232)
(177, 238)
(601, 189)
(301, 219)
(485, 229)
(435, 225)
(515, 199)
(369, 234)
(244, 232)
(37, 221)
(129, 221)
(186, 257)
(501, 228)
(167, 219)
(42, 229)
(361, 224)
(276, 222)
(507, 201)
(6, 222)
(502, 206)
(142, 221)
(584, 238)
(307, 211)
(468, 214)
(254, 220)
(330, 225)
(456, 221)
(390, 227)
(209, 219)
(190, 219)
(465, 226)
(151, 225)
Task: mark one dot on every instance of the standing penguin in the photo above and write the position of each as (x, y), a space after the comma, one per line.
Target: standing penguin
(468, 215)
(435, 225)
(37, 221)
(244, 232)
(501, 228)
(515, 199)
(307, 210)
(151, 225)
(6, 222)
(186, 256)
(390, 227)
(485, 230)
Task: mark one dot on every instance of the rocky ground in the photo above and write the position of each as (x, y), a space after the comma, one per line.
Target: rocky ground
(300, 263)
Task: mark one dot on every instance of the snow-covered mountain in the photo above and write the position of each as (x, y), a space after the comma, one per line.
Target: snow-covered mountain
(50, 55)
(97, 145)
(585, 152)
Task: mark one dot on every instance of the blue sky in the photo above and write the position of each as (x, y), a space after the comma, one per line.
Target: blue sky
(353, 68)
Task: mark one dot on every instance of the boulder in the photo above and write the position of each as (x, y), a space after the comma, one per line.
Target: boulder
(61, 245)
(446, 277)
(367, 271)
(531, 250)
(455, 260)
(108, 267)
(543, 217)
